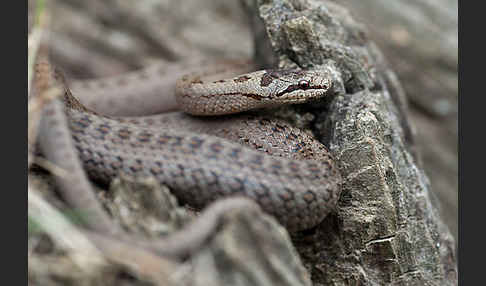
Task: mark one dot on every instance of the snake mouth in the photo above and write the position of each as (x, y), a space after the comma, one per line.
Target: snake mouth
(314, 91)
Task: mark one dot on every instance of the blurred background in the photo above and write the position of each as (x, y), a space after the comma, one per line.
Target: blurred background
(91, 39)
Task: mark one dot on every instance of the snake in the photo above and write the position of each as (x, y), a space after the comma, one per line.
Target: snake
(290, 174)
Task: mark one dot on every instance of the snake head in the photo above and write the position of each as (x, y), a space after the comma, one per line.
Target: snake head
(295, 86)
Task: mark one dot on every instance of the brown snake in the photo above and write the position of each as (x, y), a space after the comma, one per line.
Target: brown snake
(300, 191)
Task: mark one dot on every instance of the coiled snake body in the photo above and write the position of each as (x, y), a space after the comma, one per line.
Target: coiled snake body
(300, 191)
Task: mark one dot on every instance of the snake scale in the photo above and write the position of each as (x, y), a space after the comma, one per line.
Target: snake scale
(194, 157)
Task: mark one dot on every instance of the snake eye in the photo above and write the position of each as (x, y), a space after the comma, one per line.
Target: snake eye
(303, 84)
